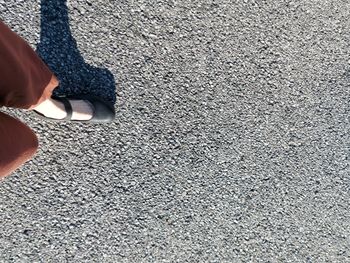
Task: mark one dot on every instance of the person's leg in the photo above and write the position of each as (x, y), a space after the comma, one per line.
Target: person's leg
(18, 144)
(25, 80)
(27, 83)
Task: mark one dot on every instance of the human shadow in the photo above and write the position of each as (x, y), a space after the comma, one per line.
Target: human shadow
(59, 50)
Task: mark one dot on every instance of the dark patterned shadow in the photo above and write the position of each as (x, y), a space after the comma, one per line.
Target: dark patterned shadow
(59, 50)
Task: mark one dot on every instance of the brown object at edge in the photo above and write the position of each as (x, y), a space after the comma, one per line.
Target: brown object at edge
(25, 81)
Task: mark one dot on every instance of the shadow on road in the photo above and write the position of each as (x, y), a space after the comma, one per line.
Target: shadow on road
(59, 50)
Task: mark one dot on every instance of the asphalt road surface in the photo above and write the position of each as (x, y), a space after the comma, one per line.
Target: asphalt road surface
(231, 140)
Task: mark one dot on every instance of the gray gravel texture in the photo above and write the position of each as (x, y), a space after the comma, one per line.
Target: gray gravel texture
(231, 141)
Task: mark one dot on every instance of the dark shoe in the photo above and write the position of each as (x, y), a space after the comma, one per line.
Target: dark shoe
(102, 111)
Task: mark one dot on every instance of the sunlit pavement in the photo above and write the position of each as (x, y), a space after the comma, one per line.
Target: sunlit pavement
(231, 140)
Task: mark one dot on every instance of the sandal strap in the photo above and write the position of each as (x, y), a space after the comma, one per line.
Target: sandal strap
(68, 108)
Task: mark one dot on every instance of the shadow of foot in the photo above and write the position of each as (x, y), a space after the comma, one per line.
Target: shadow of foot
(59, 50)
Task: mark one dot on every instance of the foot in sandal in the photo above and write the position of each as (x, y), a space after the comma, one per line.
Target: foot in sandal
(83, 108)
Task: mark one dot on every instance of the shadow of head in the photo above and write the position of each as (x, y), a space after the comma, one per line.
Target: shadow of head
(59, 50)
